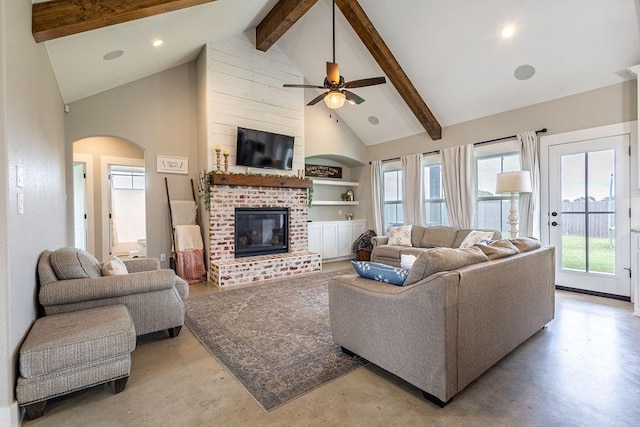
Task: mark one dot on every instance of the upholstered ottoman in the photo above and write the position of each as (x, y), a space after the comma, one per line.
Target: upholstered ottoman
(67, 352)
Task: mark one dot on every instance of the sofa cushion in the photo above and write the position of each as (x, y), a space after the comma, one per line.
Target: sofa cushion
(114, 267)
(525, 244)
(417, 232)
(388, 251)
(474, 237)
(498, 249)
(400, 236)
(73, 263)
(443, 259)
(381, 272)
(438, 236)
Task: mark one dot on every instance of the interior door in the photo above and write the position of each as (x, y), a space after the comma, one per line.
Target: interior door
(589, 217)
(80, 205)
(127, 211)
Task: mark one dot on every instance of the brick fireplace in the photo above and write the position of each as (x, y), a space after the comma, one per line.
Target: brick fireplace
(229, 192)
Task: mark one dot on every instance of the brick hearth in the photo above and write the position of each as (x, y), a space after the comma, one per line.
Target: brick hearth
(224, 268)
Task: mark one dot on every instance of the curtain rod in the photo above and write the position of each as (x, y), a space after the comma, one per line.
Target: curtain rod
(543, 130)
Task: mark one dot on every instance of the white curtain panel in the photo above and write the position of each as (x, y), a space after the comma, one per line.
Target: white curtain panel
(412, 190)
(376, 194)
(458, 177)
(530, 202)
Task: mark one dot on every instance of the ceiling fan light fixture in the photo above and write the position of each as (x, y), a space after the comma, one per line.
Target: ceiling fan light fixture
(335, 99)
(507, 31)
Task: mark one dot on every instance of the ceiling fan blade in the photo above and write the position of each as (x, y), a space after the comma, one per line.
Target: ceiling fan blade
(352, 97)
(317, 99)
(333, 72)
(305, 86)
(365, 82)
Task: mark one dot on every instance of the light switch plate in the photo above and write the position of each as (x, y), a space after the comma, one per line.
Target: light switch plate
(20, 204)
(19, 176)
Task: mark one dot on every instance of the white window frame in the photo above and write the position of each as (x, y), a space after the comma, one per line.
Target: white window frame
(429, 160)
(391, 166)
(493, 150)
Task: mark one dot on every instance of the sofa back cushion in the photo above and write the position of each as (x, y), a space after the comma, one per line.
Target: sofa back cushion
(73, 263)
(498, 249)
(45, 271)
(437, 237)
(525, 244)
(416, 235)
(443, 259)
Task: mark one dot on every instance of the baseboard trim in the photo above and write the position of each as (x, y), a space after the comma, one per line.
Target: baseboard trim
(10, 415)
(594, 293)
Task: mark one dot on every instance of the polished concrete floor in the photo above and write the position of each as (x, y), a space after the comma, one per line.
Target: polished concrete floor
(582, 370)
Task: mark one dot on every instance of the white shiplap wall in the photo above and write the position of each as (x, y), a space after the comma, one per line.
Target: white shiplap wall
(244, 88)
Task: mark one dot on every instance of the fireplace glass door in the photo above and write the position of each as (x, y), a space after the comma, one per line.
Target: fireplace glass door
(261, 231)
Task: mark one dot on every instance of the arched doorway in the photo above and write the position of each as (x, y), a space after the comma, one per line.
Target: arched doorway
(114, 217)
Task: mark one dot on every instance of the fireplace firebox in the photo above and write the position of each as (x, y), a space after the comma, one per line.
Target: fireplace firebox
(261, 231)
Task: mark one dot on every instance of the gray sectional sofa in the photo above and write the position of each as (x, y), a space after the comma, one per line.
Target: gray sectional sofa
(443, 331)
(422, 238)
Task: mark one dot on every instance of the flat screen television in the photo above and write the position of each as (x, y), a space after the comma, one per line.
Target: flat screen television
(259, 149)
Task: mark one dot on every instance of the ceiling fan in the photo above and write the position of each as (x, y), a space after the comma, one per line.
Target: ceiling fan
(335, 97)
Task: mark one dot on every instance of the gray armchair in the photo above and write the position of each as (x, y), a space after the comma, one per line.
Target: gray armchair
(152, 296)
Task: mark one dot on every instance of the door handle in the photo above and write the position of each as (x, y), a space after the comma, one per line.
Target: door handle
(555, 223)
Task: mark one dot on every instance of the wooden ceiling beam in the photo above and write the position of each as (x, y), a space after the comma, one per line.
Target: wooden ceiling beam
(358, 19)
(59, 18)
(279, 19)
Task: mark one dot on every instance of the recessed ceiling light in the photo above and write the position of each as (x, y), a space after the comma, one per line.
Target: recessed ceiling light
(374, 120)
(524, 72)
(113, 55)
(507, 31)
(157, 43)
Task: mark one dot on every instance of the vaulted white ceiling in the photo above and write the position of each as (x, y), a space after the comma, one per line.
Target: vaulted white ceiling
(451, 50)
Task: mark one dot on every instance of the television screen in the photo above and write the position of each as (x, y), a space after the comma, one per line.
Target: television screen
(261, 149)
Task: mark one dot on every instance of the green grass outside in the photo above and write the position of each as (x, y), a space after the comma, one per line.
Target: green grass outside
(601, 255)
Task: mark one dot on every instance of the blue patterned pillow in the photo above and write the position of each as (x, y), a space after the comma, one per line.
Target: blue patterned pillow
(381, 272)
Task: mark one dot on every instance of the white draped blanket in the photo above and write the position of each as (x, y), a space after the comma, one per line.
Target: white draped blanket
(188, 237)
(183, 212)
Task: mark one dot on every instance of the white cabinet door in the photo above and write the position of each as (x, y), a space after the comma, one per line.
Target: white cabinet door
(330, 240)
(315, 237)
(358, 228)
(345, 231)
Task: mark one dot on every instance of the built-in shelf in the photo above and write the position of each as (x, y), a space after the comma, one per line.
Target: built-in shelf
(333, 202)
(332, 182)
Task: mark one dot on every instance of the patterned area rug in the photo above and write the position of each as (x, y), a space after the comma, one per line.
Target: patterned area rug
(274, 338)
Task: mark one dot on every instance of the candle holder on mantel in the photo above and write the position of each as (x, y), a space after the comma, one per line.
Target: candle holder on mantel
(218, 150)
(226, 163)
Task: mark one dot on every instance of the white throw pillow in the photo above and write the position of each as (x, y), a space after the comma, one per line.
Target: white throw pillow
(474, 237)
(114, 267)
(400, 236)
(406, 260)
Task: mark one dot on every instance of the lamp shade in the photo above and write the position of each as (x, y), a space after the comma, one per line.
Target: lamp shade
(335, 99)
(513, 182)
